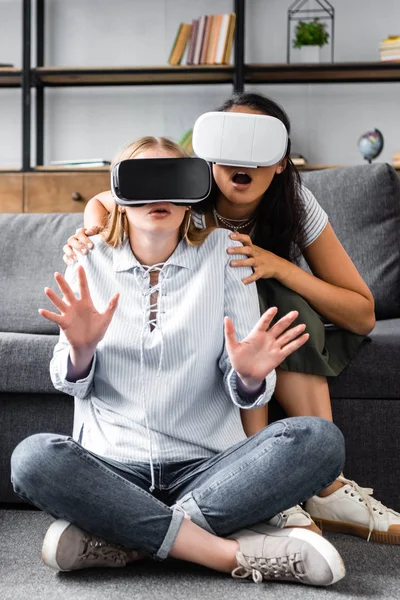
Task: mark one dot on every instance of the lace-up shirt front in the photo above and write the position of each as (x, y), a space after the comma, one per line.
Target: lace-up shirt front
(162, 370)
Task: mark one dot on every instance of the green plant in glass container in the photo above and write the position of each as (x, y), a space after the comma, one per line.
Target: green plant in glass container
(310, 36)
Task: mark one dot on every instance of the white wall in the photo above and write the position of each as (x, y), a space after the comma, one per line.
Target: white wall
(327, 120)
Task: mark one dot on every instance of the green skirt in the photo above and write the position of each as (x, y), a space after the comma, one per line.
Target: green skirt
(328, 349)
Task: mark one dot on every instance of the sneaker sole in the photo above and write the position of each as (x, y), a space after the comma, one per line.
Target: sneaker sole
(382, 537)
(325, 548)
(50, 543)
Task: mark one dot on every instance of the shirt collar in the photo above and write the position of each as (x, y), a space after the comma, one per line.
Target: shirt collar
(124, 259)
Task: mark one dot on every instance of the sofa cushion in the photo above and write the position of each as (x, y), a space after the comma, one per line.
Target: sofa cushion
(24, 362)
(363, 205)
(31, 251)
(374, 372)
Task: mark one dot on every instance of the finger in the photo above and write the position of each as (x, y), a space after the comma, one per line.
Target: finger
(64, 288)
(248, 250)
(256, 275)
(295, 345)
(83, 284)
(245, 262)
(290, 335)
(284, 323)
(69, 253)
(265, 320)
(82, 236)
(241, 237)
(50, 316)
(111, 308)
(56, 300)
(68, 261)
(230, 335)
(77, 243)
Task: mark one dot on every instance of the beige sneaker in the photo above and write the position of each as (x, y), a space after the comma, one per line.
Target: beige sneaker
(297, 555)
(351, 509)
(68, 548)
(294, 517)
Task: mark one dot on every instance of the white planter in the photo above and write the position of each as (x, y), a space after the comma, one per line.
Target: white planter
(310, 54)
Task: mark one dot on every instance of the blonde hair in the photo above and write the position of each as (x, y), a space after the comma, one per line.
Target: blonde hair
(117, 228)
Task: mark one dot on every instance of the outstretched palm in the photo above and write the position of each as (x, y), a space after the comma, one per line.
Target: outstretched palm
(264, 348)
(83, 325)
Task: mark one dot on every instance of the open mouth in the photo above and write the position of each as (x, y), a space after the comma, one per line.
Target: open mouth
(241, 178)
(161, 210)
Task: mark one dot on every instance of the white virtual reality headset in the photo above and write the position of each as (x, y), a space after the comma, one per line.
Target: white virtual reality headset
(240, 139)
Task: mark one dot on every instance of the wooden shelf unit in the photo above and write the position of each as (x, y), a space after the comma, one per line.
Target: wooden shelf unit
(157, 75)
(346, 72)
(10, 77)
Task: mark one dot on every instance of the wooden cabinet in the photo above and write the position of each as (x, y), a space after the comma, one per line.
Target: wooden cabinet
(61, 192)
(11, 192)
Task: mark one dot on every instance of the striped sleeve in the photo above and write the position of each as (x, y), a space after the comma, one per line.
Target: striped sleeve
(316, 218)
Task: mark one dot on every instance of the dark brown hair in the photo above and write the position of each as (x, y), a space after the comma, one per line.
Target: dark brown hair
(280, 214)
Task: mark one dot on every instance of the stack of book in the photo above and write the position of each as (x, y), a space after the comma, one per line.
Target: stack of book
(390, 48)
(396, 160)
(207, 41)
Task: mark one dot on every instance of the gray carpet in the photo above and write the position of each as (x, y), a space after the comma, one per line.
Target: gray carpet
(373, 571)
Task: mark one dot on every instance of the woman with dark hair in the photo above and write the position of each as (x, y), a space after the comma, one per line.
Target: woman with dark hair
(276, 218)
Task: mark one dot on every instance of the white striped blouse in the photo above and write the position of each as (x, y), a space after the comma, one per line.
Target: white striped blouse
(175, 378)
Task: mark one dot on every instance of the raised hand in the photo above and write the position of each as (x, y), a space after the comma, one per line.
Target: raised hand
(264, 348)
(83, 325)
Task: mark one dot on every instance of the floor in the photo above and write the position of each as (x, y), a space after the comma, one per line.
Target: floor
(373, 571)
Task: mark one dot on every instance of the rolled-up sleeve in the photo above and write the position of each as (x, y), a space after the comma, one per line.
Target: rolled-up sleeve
(242, 306)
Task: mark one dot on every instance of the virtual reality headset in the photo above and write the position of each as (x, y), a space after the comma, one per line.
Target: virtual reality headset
(139, 181)
(240, 139)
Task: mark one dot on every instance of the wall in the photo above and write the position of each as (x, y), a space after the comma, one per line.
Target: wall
(94, 122)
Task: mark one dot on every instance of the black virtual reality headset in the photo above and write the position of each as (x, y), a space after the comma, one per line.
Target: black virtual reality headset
(139, 181)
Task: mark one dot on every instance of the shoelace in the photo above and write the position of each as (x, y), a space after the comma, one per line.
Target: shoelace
(268, 568)
(95, 548)
(294, 510)
(150, 308)
(372, 504)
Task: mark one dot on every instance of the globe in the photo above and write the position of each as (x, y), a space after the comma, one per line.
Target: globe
(371, 144)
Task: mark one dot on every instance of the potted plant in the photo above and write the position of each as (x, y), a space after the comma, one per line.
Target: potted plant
(310, 36)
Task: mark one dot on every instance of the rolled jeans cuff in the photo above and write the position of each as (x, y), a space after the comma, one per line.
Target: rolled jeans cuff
(178, 514)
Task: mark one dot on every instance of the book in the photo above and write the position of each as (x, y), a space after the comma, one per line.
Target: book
(199, 39)
(214, 39)
(206, 42)
(178, 33)
(229, 42)
(298, 159)
(81, 163)
(222, 39)
(180, 44)
(192, 45)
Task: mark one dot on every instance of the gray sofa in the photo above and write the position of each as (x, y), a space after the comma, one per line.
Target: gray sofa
(363, 204)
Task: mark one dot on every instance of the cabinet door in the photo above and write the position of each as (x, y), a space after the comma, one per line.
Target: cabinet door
(62, 192)
(11, 192)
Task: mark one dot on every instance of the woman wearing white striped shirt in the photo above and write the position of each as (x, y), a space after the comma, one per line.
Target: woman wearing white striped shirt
(157, 395)
(274, 216)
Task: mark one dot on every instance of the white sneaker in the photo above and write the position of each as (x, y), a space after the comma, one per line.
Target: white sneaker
(294, 517)
(68, 548)
(351, 509)
(297, 555)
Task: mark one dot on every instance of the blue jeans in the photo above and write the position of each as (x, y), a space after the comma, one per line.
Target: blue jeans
(284, 464)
